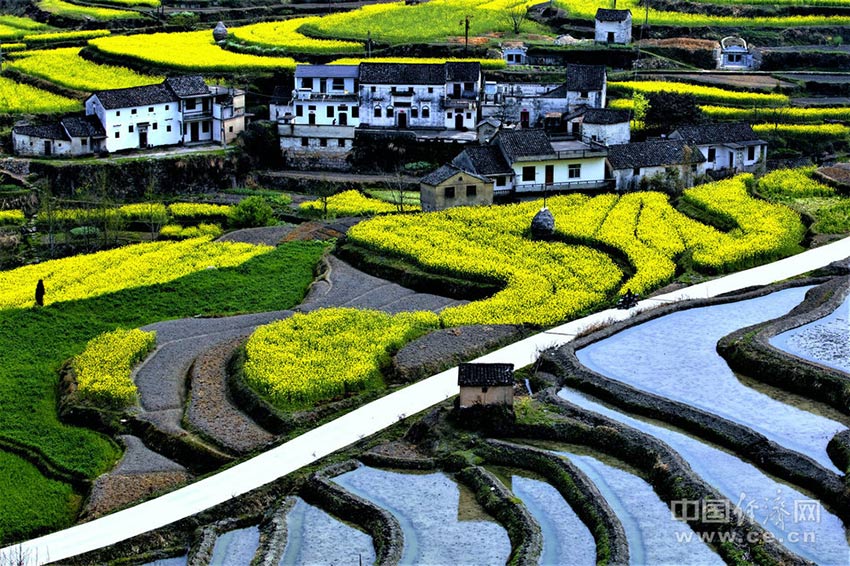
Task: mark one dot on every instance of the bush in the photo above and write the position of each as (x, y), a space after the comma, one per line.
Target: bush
(251, 212)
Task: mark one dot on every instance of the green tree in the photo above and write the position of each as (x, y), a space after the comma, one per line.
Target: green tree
(251, 212)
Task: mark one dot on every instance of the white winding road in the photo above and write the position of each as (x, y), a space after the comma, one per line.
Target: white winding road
(368, 420)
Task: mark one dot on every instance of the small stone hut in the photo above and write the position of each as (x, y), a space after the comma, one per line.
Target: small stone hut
(486, 385)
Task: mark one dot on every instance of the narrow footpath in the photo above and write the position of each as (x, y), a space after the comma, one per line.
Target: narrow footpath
(370, 419)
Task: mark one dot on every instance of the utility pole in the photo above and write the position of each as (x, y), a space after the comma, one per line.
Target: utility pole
(465, 23)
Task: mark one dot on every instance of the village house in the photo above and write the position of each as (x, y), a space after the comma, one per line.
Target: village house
(613, 26)
(729, 147)
(514, 53)
(427, 96)
(449, 186)
(526, 162)
(178, 110)
(734, 54)
(632, 162)
(485, 385)
(316, 126)
(587, 85)
(607, 126)
(71, 136)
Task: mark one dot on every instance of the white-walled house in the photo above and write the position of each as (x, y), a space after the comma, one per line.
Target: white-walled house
(632, 162)
(726, 146)
(607, 126)
(586, 85)
(422, 96)
(613, 26)
(514, 53)
(179, 110)
(525, 161)
(72, 135)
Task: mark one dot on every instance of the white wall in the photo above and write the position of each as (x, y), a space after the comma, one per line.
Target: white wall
(117, 124)
(592, 169)
(608, 134)
(32, 145)
(622, 31)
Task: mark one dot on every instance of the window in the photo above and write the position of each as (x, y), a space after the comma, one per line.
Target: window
(574, 171)
(501, 181)
(166, 107)
(467, 86)
(377, 111)
(155, 126)
(84, 142)
(355, 111)
(167, 128)
(339, 84)
(191, 104)
(230, 129)
(299, 110)
(340, 142)
(390, 111)
(636, 171)
(430, 90)
(133, 111)
(414, 113)
(583, 94)
(470, 190)
(450, 192)
(311, 107)
(117, 112)
(130, 129)
(150, 108)
(305, 142)
(751, 152)
(468, 115)
(323, 142)
(529, 173)
(205, 127)
(712, 154)
(426, 112)
(330, 111)
(117, 135)
(374, 89)
(307, 82)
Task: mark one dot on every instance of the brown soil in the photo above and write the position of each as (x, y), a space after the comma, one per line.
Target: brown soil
(115, 491)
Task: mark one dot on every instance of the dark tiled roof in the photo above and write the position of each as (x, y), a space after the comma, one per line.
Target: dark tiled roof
(446, 172)
(585, 77)
(466, 72)
(604, 15)
(484, 160)
(327, 71)
(557, 92)
(651, 154)
(135, 96)
(401, 74)
(83, 127)
(715, 133)
(484, 375)
(436, 177)
(524, 143)
(606, 116)
(48, 131)
(187, 85)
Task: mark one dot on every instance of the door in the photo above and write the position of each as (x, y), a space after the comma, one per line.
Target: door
(402, 120)
(195, 132)
(610, 37)
(731, 160)
(458, 121)
(524, 119)
(311, 118)
(343, 119)
(550, 174)
(456, 91)
(143, 139)
(48, 147)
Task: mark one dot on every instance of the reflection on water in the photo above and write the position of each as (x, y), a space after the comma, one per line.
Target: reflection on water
(654, 536)
(427, 507)
(236, 548)
(566, 539)
(315, 537)
(825, 341)
(674, 356)
(776, 506)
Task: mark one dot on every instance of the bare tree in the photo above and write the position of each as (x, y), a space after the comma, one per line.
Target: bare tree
(516, 16)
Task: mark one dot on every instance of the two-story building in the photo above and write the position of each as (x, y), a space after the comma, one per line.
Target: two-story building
(526, 162)
(421, 96)
(732, 147)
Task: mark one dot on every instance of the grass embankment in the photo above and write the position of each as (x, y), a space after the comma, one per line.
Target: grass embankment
(35, 342)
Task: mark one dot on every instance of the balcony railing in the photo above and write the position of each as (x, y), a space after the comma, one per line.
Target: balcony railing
(600, 185)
